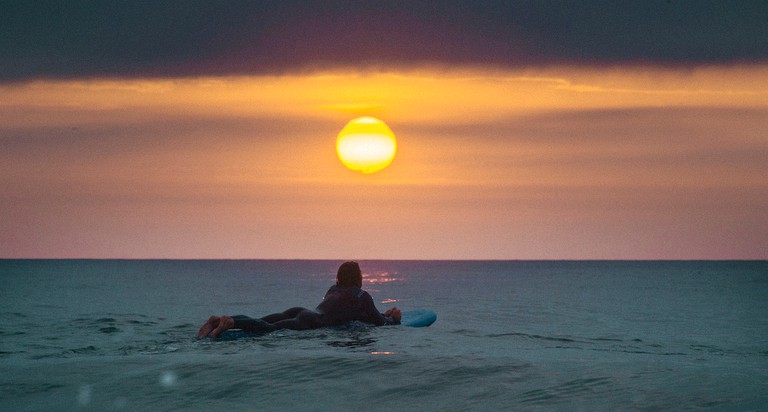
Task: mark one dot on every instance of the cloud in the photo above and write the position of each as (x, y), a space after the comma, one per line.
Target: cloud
(52, 39)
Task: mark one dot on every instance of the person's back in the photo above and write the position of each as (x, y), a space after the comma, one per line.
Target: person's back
(345, 304)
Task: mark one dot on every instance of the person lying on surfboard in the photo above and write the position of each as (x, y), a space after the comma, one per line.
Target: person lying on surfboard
(344, 302)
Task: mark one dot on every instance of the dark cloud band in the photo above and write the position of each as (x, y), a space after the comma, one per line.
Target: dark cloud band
(55, 39)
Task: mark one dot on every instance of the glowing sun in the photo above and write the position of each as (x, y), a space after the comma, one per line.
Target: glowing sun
(366, 145)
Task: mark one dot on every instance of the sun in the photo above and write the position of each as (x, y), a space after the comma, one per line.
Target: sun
(366, 145)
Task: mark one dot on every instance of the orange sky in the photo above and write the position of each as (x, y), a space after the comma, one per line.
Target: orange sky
(557, 163)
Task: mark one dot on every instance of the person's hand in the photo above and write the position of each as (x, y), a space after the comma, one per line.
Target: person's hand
(394, 313)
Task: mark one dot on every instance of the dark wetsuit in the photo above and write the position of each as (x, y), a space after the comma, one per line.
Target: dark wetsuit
(340, 305)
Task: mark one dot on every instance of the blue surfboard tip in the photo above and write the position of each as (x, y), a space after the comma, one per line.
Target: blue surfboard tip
(418, 318)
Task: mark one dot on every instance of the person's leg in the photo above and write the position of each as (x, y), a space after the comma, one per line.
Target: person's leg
(248, 324)
(294, 318)
(306, 319)
(288, 314)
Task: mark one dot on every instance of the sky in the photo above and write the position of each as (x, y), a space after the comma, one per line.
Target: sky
(525, 130)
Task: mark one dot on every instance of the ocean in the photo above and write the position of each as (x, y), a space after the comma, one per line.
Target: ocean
(105, 335)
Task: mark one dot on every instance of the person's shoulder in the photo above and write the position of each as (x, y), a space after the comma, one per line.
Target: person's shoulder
(363, 294)
(355, 291)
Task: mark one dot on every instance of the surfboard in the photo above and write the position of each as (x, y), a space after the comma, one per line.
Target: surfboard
(415, 318)
(418, 318)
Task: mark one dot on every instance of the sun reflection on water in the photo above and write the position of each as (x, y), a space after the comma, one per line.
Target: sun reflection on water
(381, 277)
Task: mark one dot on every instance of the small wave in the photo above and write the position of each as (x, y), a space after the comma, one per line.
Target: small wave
(714, 350)
(531, 336)
(609, 339)
(18, 388)
(605, 344)
(159, 350)
(183, 326)
(4, 354)
(352, 343)
(109, 330)
(116, 323)
(141, 322)
(582, 387)
(48, 306)
(148, 349)
(86, 350)
(465, 332)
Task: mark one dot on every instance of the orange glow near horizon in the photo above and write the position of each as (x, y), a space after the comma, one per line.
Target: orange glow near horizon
(410, 97)
(563, 162)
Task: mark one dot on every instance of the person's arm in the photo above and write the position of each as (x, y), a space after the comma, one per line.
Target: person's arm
(377, 318)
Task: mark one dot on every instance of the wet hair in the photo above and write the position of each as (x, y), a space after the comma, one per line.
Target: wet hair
(349, 274)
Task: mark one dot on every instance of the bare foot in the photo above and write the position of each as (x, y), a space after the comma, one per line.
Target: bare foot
(225, 323)
(212, 323)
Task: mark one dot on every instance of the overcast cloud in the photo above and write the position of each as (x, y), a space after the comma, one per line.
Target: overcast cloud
(70, 39)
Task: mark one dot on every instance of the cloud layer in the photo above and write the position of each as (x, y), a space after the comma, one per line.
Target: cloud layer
(53, 39)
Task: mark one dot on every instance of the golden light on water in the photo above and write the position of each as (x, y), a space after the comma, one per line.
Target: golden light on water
(380, 277)
(366, 145)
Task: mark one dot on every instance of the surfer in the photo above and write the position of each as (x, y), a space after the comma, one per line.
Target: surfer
(344, 302)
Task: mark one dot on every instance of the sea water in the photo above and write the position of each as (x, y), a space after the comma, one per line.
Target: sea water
(510, 335)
